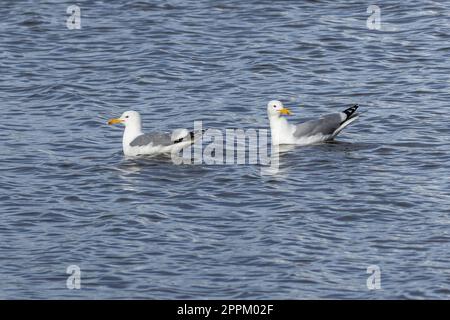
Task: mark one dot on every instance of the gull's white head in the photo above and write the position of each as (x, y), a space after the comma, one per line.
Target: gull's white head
(128, 118)
(275, 108)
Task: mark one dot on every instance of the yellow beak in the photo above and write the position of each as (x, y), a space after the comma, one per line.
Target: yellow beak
(114, 121)
(285, 111)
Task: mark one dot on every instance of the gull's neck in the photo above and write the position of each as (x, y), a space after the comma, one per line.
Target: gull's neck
(279, 128)
(132, 131)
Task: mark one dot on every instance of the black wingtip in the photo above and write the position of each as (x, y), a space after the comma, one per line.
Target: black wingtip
(191, 136)
(350, 111)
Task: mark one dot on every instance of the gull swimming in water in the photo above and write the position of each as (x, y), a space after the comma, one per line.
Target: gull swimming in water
(322, 129)
(136, 143)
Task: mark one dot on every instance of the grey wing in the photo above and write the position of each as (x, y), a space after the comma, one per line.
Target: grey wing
(326, 125)
(155, 139)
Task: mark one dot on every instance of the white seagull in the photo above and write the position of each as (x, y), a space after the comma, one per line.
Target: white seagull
(136, 143)
(323, 129)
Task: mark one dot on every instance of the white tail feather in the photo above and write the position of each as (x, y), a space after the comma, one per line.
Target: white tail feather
(344, 124)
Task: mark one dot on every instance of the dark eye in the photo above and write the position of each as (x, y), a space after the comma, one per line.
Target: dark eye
(274, 106)
(127, 116)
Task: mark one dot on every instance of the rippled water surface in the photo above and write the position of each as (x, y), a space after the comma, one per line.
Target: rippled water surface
(146, 228)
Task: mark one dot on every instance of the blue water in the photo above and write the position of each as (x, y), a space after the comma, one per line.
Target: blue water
(146, 228)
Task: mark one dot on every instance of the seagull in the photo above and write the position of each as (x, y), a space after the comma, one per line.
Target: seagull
(323, 129)
(136, 143)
